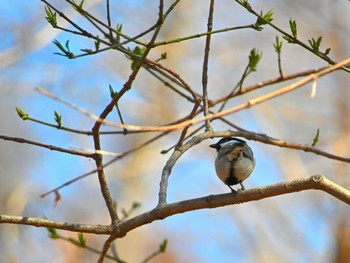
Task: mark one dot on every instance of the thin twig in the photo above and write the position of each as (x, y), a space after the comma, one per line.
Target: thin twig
(176, 75)
(69, 104)
(181, 39)
(89, 248)
(240, 107)
(268, 83)
(47, 146)
(211, 103)
(40, 222)
(205, 65)
(184, 131)
(105, 248)
(263, 138)
(157, 74)
(109, 20)
(320, 54)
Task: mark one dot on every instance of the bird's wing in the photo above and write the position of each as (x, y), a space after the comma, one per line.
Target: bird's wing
(234, 152)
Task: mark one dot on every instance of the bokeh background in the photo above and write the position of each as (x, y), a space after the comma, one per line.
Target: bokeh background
(301, 227)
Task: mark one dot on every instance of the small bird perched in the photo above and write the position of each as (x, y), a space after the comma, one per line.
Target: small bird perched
(235, 161)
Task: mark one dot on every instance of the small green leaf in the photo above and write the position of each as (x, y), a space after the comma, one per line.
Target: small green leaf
(119, 31)
(315, 141)
(138, 50)
(244, 3)
(162, 57)
(82, 240)
(111, 91)
(163, 246)
(24, 116)
(87, 50)
(289, 39)
(67, 45)
(81, 4)
(278, 45)
(326, 52)
(293, 28)
(254, 58)
(58, 119)
(264, 19)
(53, 233)
(97, 44)
(59, 45)
(315, 44)
(50, 16)
(137, 53)
(78, 7)
(66, 51)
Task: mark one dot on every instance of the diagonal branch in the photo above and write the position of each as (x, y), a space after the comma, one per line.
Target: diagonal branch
(240, 107)
(108, 109)
(106, 247)
(47, 146)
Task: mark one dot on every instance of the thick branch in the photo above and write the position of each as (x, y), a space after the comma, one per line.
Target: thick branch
(248, 135)
(316, 182)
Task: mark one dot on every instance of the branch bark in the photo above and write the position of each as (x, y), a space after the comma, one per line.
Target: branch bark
(316, 182)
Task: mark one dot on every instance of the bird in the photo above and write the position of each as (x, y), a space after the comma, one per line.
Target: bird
(235, 161)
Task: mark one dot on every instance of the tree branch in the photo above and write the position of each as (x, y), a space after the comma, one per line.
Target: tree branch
(40, 222)
(316, 182)
(248, 135)
(47, 146)
(242, 106)
(205, 66)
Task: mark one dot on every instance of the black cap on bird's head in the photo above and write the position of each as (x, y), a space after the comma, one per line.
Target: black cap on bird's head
(219, 144)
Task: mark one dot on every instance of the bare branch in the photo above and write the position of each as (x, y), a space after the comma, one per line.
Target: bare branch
(108, 109)
(316, 182)
(205, 65)
(40, 222)
(105, 248)
(47, 146)
(248, 135)
(268, 83)
(240, 107)
(69, 104)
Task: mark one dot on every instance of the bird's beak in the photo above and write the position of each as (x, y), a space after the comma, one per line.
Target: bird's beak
(215, 146)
